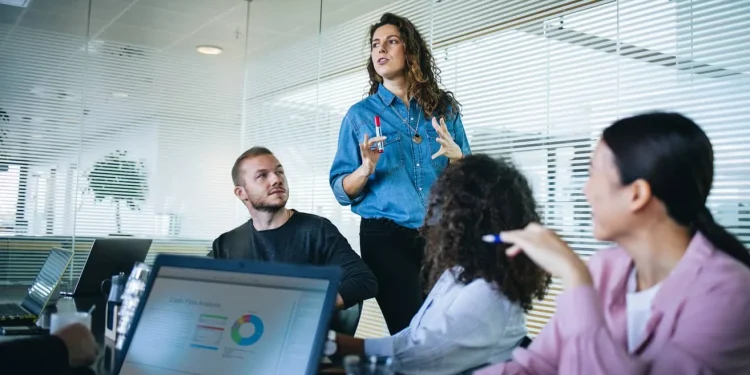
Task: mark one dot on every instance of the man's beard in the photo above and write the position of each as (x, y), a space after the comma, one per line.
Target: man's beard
(261, 205)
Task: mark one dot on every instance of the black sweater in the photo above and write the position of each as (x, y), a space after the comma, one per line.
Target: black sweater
(303, 239)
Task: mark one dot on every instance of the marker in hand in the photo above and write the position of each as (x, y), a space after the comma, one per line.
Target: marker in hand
(379, 133)
(492, 238)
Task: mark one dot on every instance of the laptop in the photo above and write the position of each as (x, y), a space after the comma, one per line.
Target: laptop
(40, 292)
(108, 257)
(204, 316)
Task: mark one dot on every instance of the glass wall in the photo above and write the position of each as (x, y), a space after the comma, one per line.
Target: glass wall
(112, 124)
(538, 80)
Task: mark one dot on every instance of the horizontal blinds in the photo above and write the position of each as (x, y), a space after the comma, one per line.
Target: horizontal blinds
(23, 257)
(101, 136)
(538, 82)
(541, 93)
(518, 102)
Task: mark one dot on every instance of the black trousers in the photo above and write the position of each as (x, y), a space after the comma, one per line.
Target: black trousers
(394, 254)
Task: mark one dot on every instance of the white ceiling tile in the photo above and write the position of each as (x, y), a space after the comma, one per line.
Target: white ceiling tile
(60, 6)
(64, 23)
(138, 36)
(159, 19)
(107, 10)
(206, 8)
(9, 14)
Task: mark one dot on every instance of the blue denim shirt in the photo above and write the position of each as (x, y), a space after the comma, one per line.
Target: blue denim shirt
(400, 186)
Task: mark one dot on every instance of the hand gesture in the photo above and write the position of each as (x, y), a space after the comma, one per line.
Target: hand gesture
(545, 248)
(448, 146)
(370, 156)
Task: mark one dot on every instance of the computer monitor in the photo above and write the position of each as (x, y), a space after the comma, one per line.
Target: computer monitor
(108, 257)
(206, 316)
(47, 280)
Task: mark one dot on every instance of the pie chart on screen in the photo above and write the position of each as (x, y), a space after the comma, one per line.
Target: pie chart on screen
(247, 330)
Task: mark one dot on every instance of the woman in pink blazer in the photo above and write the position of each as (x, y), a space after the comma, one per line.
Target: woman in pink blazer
(674, 296)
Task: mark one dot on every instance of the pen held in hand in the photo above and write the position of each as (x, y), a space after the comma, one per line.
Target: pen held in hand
(492, 238)
(379, 133)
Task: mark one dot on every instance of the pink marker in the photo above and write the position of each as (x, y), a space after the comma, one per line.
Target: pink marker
(379, 133)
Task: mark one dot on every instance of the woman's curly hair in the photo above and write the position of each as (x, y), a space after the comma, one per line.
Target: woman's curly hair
(422, 73)
(471, 198)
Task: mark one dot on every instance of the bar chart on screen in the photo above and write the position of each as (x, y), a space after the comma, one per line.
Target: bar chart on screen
(209, 331)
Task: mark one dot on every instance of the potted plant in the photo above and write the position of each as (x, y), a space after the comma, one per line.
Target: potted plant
(121, 180)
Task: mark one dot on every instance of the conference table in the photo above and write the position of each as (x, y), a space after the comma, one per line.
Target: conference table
(106, 362)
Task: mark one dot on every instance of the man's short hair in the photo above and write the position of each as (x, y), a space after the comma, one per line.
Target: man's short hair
(249, 154)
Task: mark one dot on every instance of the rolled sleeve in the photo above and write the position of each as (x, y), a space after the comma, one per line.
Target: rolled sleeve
(346, 161)
(461, 139)
(340, 193)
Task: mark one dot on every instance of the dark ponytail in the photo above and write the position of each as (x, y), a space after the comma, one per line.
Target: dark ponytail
(720, 237)
(674, 155)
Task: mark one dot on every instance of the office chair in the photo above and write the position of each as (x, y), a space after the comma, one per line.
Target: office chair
(525, 342)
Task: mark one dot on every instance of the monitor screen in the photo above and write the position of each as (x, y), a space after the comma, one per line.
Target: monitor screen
(199, 321)
(47, 280)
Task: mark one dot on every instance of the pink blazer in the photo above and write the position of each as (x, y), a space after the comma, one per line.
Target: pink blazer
(700, 322)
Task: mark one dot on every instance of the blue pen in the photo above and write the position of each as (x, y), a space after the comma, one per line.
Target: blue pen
(492, 238)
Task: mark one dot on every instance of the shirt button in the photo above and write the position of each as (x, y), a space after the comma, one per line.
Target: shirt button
(417, 164)
(412, 118)
(420, 189)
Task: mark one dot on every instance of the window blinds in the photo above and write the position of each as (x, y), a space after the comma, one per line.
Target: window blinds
(538, 81)
(112, 124)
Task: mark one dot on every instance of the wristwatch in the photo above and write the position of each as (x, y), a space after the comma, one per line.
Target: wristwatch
(331, 346)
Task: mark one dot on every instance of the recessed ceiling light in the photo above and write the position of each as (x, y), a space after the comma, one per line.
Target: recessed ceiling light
(209, 50)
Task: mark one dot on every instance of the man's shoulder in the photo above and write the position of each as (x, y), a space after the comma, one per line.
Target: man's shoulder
(312, 220)
(315, 225)
(231, 240)
(241, 230)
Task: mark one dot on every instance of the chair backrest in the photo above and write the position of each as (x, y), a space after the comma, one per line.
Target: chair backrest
(525, 342)
(346, 321)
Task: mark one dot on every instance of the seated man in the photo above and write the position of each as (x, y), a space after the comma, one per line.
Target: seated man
(277, 234)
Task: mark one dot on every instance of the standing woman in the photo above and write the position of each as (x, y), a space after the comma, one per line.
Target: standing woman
(673, 296)
(421, 133)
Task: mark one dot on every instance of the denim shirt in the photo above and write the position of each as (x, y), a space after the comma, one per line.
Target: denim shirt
(399, 188)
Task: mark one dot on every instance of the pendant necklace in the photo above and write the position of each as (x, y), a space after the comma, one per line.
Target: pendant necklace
(416, 138)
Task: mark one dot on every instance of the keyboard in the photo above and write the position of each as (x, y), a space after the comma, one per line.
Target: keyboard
(12, 310)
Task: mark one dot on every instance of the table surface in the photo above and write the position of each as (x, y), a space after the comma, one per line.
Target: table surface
(106, 362)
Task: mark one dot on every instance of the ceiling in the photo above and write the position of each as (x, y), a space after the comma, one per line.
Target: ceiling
(172, 27)
(160, 25)
(180, 25)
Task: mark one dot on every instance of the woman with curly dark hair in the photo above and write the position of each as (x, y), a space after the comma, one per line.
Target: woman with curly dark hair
(475, 312)
(391, 148)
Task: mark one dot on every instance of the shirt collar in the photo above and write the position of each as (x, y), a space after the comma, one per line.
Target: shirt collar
(685, 272)
(385, 95)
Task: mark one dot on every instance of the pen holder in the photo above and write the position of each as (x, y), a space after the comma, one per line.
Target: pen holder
(112, 317)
